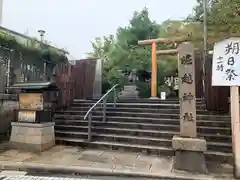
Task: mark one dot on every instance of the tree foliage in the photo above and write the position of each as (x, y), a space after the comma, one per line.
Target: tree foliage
(121, 52)
(38, 52)
(223, 16)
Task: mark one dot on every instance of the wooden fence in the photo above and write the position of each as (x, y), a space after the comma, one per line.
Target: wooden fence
(75, 81)
(216, 98)
(199, 75)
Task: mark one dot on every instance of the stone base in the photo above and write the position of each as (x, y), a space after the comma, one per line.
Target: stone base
(236, 169)
(154, 98)
(32, 136)
(189, 155)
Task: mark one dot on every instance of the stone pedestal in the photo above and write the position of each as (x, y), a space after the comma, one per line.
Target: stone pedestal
(35, 137)
(189, 155)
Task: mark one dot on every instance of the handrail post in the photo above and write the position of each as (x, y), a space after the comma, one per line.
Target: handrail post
(114, 97)
(104, 109)
(90, 127)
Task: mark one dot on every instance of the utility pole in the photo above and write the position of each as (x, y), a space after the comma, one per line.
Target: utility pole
(205, 51)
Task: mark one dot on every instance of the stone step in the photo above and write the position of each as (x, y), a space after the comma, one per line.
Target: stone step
(157, 150)
(136, 132)
(201, 128)
(147, 149)
(141, 100)
(170, 129)
(151, 120)
(156, 101)
(134, 105)
(118, 138)
(123, 125)
(149, 115)
(143, 140)
(144, 109)
(170, 119)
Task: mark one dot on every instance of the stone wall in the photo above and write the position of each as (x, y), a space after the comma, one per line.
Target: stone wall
(8, 106)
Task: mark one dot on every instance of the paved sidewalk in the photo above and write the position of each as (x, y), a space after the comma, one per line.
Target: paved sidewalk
(73, 160)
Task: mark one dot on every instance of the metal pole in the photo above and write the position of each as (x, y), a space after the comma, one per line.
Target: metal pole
(104, 109)
(114, 97)
(90, 127)
(8, 70)
(42, 32)
(205, 52)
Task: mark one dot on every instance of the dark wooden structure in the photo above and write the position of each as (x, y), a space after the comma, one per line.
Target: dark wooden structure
(75, 81)
(216, 98)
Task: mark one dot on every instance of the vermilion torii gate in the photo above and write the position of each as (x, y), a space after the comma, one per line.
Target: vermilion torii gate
(155, 52)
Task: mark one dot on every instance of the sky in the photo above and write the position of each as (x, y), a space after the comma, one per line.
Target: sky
(73, 24)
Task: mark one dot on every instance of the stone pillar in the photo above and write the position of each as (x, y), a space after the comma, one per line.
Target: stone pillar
(189, 155)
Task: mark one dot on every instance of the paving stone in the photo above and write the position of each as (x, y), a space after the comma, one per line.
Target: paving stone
(108, 161)
(15, 155)
(131, 168)
(121, 158)
(82, 163)
(93, 152)
(96, 158)
(41, 178)
(13, 173)
(110, 167)
(72, 150)
(161, 165)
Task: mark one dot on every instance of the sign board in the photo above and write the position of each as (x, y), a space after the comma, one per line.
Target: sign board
(226, 63)
(172, 81)
(30, 101)
(27, 116)
(163, 95)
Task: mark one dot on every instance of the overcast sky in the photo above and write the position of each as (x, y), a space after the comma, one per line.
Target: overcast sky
(72, 24)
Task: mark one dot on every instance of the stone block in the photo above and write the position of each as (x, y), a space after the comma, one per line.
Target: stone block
(33, 139)
(190, 161)
(48, 138)
(189, 144)
(32, 136)
(189, 155)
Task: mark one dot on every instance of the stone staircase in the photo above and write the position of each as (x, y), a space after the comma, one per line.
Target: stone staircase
(129, 92)
(142, 125)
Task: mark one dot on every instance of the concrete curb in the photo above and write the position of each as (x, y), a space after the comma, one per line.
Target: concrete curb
(78, 170)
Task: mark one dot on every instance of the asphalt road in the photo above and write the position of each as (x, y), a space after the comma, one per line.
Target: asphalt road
(34, 176)
(56, 177)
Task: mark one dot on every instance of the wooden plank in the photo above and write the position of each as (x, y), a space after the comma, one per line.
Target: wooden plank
(164, 40)
(167, 52)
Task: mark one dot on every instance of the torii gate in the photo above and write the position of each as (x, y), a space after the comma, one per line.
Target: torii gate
(153, 43)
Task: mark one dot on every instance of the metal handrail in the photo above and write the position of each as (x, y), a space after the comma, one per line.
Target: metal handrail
(89, 112)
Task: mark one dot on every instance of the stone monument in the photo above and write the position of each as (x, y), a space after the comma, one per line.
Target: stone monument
(189, 155)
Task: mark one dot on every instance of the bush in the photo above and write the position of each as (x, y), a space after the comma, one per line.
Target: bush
(144, 89)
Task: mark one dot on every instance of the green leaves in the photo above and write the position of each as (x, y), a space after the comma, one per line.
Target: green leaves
(223, 16)
(121, 51)
(32, 48)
